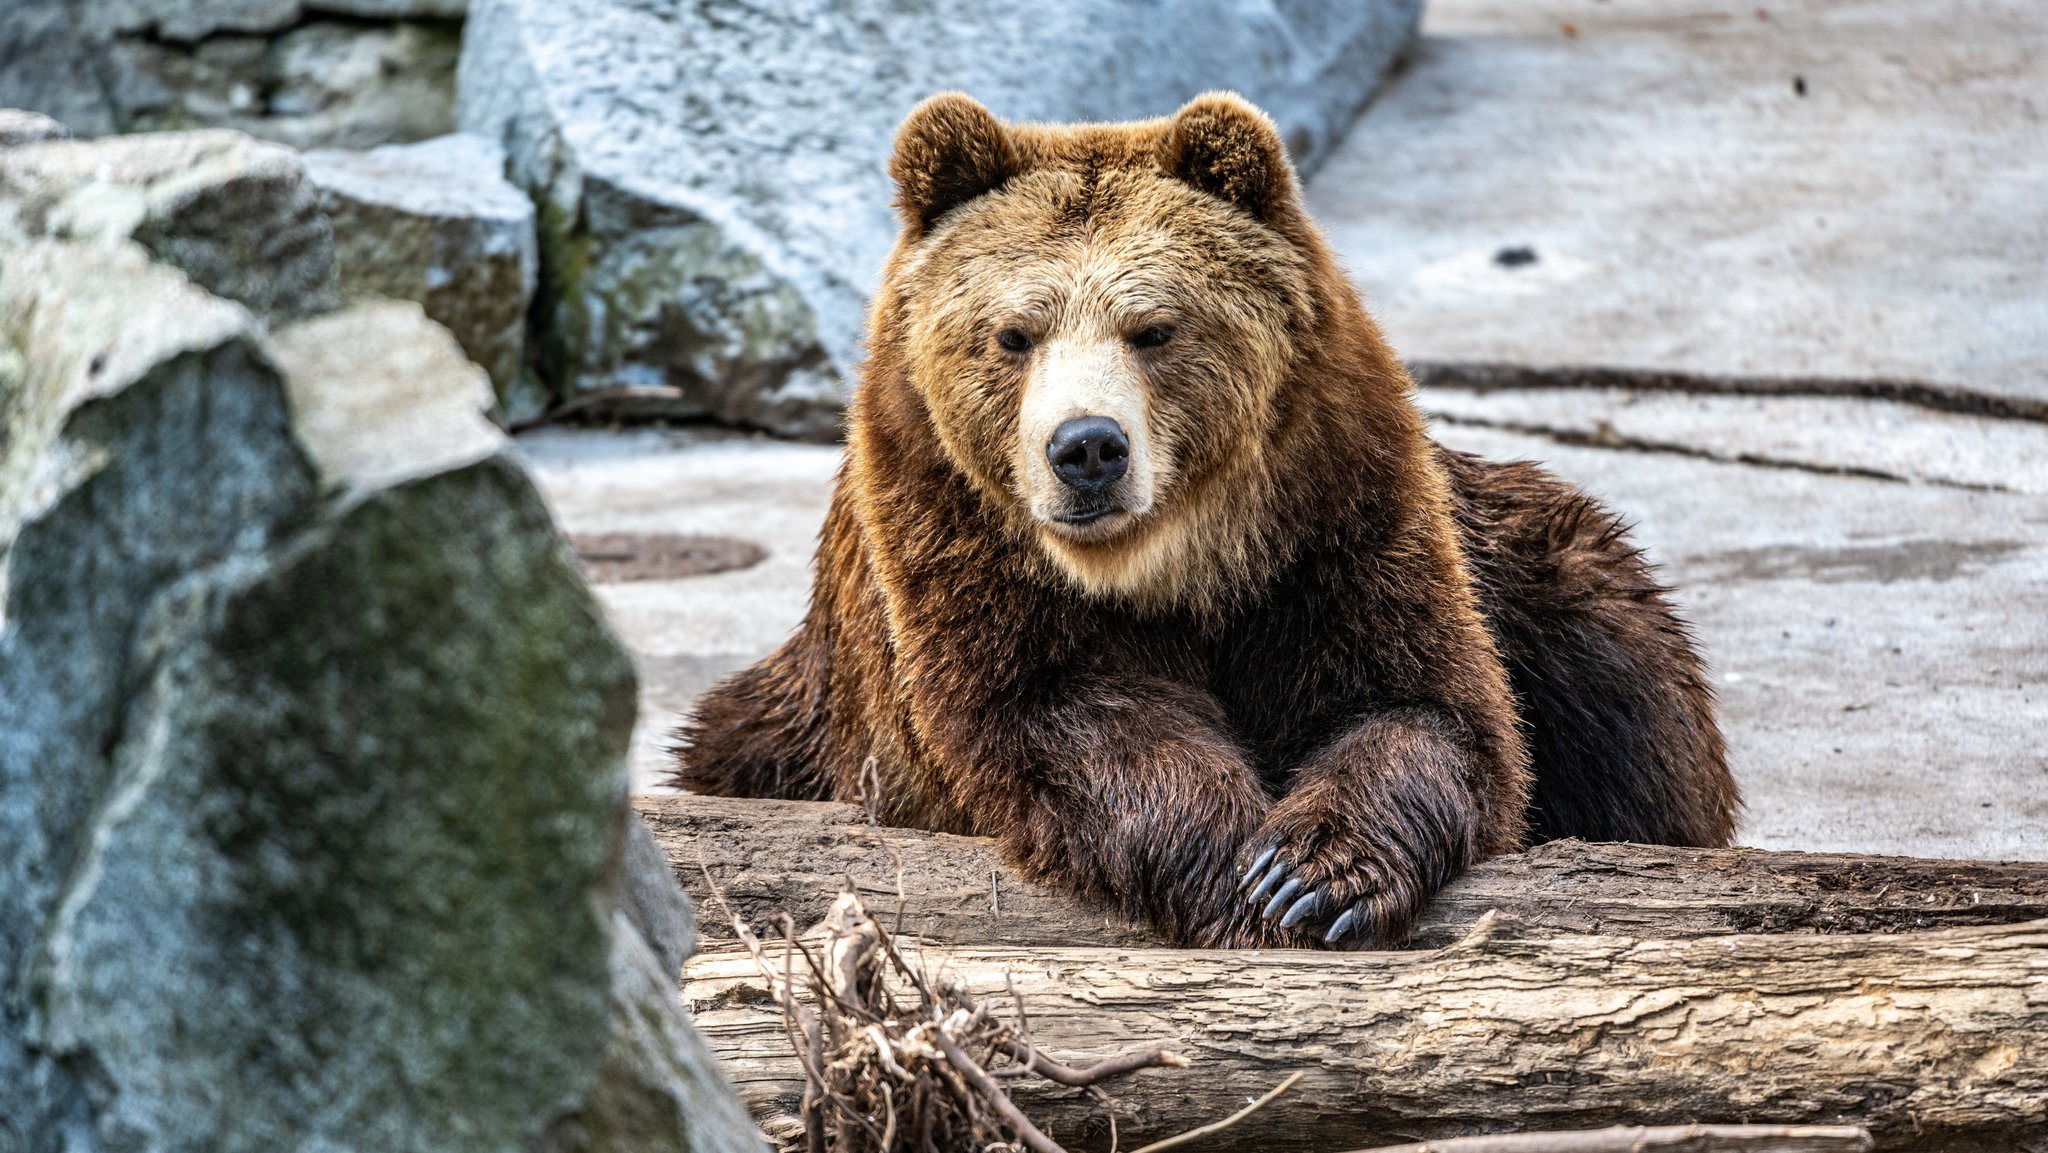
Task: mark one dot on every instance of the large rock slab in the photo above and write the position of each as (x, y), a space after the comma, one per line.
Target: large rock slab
(437, 222)
(1802, 196)
(312, 822)
(379, 391)
(237, 215)
(714, 207)
(18, 127)
(336, 73)
(148, 438)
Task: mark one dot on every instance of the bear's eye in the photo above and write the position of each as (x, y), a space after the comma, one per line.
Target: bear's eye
(1014, 340)
(1152, 336)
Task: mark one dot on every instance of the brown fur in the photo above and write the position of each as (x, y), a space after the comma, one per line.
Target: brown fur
(1327, 636)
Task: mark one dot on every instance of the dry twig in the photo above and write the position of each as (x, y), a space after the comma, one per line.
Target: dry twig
(883, 1075)
(1214, 1127)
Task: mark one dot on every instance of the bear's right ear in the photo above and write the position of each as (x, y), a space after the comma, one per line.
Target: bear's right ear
(950, 150)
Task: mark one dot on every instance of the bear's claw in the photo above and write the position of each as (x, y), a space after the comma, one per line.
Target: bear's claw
(1302, 909)
(1332, 893)
(1272, 878)
(1283, 898)
(1351, 919)
(1256, 865)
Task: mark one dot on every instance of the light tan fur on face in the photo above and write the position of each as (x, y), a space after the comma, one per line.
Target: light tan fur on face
(1081, 264)
(1084, 374)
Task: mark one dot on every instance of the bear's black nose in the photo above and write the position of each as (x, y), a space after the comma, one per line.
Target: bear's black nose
(1088, 453)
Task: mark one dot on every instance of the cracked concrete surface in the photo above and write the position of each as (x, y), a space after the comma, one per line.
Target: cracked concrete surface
(1690, 210)
(1884, 440)
(1879, 647)
(1800, 340)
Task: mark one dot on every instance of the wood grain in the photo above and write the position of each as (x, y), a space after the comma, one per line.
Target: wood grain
(1933, 1041)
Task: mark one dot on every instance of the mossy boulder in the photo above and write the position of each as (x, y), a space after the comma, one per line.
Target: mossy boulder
(313, 824)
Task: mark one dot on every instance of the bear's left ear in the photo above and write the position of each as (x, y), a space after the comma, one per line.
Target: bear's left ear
(1222, 144)
(949, 150)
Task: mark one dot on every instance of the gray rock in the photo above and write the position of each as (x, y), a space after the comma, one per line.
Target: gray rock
(148, 439)
(438, 223)
(714, 207)
(235, 214)
(311, 824)
(193, 20)
(660, 1086)
(312, 796)
(379, 392)
(18, 127)
(45, 65)
(336, 73)
(655, 903)
(395, 9)
(347, 86)
(161, 85)
(185, 19)
(324, 84)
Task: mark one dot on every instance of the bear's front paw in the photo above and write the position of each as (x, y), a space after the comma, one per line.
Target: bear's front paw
(1309, 880)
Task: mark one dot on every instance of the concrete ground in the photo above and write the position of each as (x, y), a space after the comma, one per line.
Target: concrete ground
(1800, 340)
(1770, 189)
(685, 634)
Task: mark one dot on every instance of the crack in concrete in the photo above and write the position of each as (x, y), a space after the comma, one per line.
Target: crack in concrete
(1484, 377)
(1604, 436)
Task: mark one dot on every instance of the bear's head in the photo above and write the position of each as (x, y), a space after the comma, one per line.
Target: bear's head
(1107, 326)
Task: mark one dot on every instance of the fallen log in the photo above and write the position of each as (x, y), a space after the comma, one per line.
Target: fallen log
(1667, 1139)
(772, 857)
(1933, 1041)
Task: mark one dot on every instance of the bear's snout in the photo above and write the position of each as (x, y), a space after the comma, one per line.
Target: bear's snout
(1089, 453)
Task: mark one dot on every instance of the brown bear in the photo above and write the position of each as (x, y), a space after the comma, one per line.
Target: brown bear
(1142, 562)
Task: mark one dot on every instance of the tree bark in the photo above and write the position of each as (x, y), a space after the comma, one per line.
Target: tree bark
(1934, 1041)
(769, 857)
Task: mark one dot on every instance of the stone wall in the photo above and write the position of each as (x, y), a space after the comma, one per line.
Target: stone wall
(334, 73)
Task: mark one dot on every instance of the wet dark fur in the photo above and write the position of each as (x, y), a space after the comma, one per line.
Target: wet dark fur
(1441, 659)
